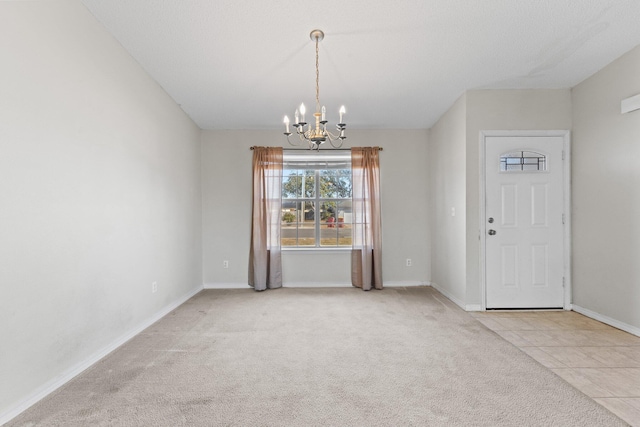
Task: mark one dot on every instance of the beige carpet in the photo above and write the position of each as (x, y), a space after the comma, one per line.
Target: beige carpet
(318, 357)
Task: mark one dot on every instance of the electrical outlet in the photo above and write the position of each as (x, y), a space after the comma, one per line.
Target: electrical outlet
(408, 262)
(154, 287)
(225, 264)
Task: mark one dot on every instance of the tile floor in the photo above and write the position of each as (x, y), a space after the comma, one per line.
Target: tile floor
(601, 361)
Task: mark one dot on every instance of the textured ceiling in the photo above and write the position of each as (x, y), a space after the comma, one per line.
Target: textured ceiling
(244, 64)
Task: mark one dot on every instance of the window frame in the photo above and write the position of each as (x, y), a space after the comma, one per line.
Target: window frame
(314, 161)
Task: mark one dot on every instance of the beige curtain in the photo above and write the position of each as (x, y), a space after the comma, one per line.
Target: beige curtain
(366, 255)
(265, 263)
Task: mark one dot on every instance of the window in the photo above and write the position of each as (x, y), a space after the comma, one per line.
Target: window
(527, 161)
(316, 200)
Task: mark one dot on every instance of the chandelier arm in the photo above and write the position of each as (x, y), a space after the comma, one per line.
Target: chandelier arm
(334, 145)
(291, 143)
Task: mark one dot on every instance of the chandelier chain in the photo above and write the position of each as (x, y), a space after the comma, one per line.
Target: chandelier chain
(317, 79)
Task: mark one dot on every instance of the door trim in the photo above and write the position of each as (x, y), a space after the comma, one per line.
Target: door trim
(566, 178)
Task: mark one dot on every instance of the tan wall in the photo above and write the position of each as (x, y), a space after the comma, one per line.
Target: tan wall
(226, 178)
(606, 192)
(447, 173)
(100, 184)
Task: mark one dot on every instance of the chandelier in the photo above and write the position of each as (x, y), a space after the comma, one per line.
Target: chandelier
(318, 135)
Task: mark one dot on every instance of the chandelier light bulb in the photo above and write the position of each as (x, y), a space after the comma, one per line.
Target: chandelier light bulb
(342, 112)
(297, 117)
(302, 111)
(286, 124)
(324, 112)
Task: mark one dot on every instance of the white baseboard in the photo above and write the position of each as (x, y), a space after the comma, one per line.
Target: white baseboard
(69, 374)
(284, 285)
(456, 301)
(240, 285)
(608, 320)
(453, 299)
(392, 284)
(315, 285)
(406, 283)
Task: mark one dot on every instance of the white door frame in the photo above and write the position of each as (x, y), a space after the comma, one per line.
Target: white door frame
(566, 177)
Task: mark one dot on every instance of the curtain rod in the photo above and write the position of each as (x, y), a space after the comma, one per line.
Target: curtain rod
(306, 149)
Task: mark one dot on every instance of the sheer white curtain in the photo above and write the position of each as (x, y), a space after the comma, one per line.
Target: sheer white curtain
(265, 262)
(366, 255)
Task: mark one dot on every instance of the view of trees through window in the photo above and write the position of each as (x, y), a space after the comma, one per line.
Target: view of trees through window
(316, 208)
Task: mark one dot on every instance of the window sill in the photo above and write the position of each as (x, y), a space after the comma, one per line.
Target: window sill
(316, 250)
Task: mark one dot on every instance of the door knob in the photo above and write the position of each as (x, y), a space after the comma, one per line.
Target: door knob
(492, 232)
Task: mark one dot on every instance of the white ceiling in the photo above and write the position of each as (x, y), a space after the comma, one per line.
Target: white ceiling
(244, 64)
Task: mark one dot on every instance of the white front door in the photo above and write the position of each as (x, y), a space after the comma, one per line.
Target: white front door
(524, 221)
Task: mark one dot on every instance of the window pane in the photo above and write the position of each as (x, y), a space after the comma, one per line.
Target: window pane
(328, 224)
(335, 212)
(291, 184)
(297, 234)
(307, 212)
(328, 235)
(343, 208)
(344, 235)
(306, 224)
(529, 161)
(298, 227)
(289, 223)
(344, 222)
(289, 234)
(335, 183)
(335, 226)
(307, 234)
(328, 212)
(335, 235)
(289, 212)
(309, 181)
